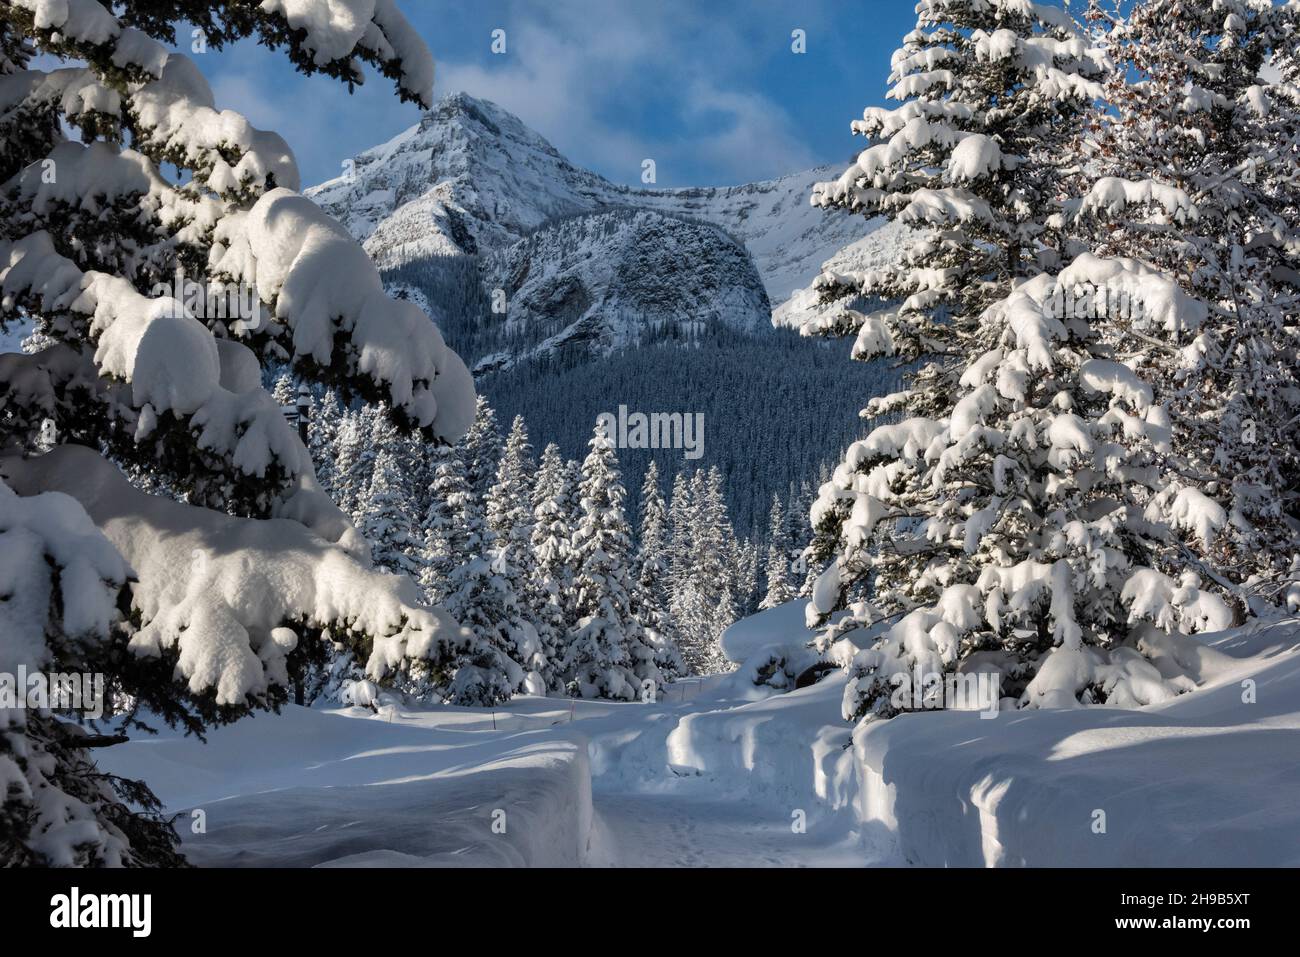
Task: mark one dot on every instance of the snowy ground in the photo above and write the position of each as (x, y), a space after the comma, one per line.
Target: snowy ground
(579, 782)
(709, 778)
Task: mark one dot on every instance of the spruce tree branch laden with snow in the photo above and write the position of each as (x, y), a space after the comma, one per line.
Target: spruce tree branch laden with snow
(198, 610)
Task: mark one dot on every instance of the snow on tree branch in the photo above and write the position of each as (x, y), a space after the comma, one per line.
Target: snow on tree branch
(326, 293)
(175, 535)
(231, 597)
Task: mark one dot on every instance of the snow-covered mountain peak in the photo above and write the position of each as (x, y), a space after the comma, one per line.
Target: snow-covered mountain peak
(470, 177)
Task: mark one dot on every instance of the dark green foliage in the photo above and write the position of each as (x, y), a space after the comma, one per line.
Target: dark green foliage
(773, 408)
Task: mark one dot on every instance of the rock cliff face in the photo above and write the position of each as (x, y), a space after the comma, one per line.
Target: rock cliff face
(603, 281)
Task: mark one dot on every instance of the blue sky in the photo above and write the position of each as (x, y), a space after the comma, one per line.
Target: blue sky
(710, 90)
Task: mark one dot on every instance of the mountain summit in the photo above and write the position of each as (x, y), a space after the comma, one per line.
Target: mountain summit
(471, 178)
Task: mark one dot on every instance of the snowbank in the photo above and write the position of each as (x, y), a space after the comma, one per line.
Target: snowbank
(704, 777)
(791, 745)
(1209, 778)
(339, 788)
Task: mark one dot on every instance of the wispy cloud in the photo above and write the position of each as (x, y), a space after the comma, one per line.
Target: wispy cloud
(711, 92)
(666, 81)
(315, 115)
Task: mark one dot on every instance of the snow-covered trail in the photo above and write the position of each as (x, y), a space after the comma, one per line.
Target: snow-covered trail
(716, 774)
(701, 830)
(575, 783)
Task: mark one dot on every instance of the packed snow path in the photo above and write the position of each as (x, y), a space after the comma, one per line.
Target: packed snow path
(700, 830)
(717, 775)
(565, 783)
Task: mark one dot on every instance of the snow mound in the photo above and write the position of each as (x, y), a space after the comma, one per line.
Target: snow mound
(1199, 780)
(783, 625)
(310, 788)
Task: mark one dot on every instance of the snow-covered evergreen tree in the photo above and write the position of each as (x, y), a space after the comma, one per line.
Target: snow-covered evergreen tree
(991, 90)
(573, 483)
(481, 591)
(509, 508)
(814, 545)
(508, 655)
(651, 592)
(1037, 527)
(479, 557)
(366, 438)
(723, 574)
(153, 376)
(446, 526)
(482, 449)
(554, 561)
(417, 458)
(1192, 170)
(386, 512)
(322, 439)
(798, 507)
(352, 465)
(285, 391)
(509, 511)
(746, 557)
(776, 570)
(650, 598)
(607, 655)
(686, 600)
(1050, 498)
(709, 568)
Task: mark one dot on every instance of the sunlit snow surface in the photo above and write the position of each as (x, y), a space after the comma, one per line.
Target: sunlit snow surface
(706, 778)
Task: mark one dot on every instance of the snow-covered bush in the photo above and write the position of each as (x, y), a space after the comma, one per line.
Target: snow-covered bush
(774, 669)
(163, 298)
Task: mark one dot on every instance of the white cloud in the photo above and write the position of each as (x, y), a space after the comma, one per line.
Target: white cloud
(608, 84)
(320, 120)
(576, 76)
